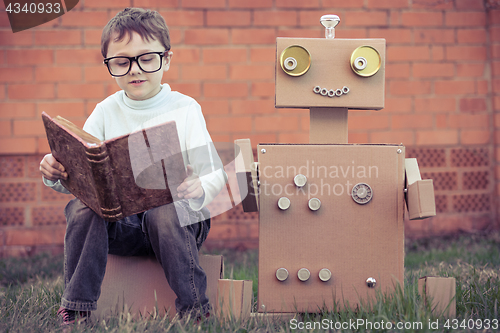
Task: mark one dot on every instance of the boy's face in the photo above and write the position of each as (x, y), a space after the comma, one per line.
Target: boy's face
(137, 84)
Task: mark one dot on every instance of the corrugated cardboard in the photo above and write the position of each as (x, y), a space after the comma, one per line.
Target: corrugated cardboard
(440, 291)
(353, 241)
(420, 195)
(246, 174)
(330, 69)
(328, 125)
(234, 299)
(138, 285)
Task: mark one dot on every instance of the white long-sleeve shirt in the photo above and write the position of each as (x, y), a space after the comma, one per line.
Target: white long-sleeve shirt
(119, 115)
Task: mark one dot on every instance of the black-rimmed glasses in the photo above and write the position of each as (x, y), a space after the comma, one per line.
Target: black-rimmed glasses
(148, 63)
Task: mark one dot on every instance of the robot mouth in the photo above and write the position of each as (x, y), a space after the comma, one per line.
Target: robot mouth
(332, 92)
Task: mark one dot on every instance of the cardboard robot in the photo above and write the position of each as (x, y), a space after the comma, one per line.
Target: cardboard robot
(331, 214)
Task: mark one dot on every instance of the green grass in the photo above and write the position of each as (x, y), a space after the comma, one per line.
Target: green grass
(30, 291)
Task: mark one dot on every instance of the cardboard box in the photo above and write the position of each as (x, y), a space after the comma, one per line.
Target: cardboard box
(234, 299)
(246, 174)
(353, 241)
(138, 285)
(440, 291)
(420, 195)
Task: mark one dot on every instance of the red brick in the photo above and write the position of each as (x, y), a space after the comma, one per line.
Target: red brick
(88, 90)
(263, 89)
(250, 4)
(253, 36)
(398, 105)
(58, 37)
(215, 107)
(433, 5)
(388, 4)
(470, 4)
(5, 128)
(17, 110)
(108, 4)
(471, 36)
(29, 57)
(494, 16)
(293, 137)
(407, 53)
(28, 128)
(452, 87)
(466, 53)
(248, 107)
(190, 89)
(495, 51)
(363, 18)
(204, 72)
(18, 146)
(437, 53)
(392, 35)
(224, 55)
(368, 120)
(397, 87)
(3, 90)
(228, 18)
(43, 145)
(263, 54)
(429, 70)
(495, 67)
(206, 36)
(421, 19)
(470, 69)
(203, 4)
(186, 55)
(394, 137)
(21, 38)
(67, 110)
(357, 137)
(96, 74)
(156, 3)
(482, 87)
(465, 19)
(474, 137)
(276, 123)
(412, 121)
(79, 56)
(469, 121)
(435, 105)
(297, 4)
(221, 138)
(397, 70)
(275, 18)
(31, 91)
(92, 37)
(183, 18)
(441, 121)
(84, 19)
(434, 36)
(473, 105)
(219, 90)
(440, 137)
(251, 72)
(16, 74)
(302, 33)
(229, 124)
(343, 4)
(494, 34)
(58, 74)
(173, 74)
(29, 237)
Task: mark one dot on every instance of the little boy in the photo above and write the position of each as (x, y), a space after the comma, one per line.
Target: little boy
(136, 48)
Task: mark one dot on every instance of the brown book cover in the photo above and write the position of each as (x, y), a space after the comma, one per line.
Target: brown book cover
(122, 176)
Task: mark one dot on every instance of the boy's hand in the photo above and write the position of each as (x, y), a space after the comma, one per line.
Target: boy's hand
(191, 186)
(52, 169)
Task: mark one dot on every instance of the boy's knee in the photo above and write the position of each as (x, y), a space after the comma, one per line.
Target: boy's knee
(163, 216)
(77, 211)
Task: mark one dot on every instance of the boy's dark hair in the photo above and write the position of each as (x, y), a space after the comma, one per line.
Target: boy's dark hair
(149, 24)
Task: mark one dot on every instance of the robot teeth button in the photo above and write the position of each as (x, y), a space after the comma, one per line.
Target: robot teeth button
(325, 275)
(300, 180)
(284, 203)
(303, 274)
(314, 204)
(281, 274)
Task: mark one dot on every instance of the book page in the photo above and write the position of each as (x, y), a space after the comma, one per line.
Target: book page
(77, 130)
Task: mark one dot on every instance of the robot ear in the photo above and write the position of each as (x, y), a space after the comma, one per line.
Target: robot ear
(295, 60)
(365, 61)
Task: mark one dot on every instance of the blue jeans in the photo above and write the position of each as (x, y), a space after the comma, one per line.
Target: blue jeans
(156, 232)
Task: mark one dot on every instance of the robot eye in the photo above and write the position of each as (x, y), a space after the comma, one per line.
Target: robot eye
(365, 61)
(295, 60)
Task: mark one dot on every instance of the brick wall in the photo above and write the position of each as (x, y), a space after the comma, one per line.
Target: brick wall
(442, 96)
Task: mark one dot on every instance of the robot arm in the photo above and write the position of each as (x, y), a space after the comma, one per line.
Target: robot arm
(419, 192)
(246, 174)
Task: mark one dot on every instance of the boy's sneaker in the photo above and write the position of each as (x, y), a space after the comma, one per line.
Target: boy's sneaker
(70, 317)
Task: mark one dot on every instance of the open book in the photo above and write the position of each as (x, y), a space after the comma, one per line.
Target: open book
(121, 176)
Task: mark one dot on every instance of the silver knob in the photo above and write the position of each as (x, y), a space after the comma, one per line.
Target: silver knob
(284, 203)
(303, 274)
(300, 180)
(325, 275)
(314, 204)
(281, 274)
(329, 22)
(371, 282)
